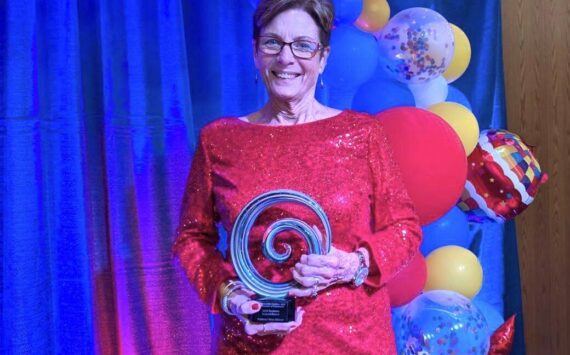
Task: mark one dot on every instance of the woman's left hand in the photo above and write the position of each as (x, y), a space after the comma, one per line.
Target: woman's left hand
(316, 272)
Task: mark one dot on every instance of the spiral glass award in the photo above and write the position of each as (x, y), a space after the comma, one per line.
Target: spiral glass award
(276, 305)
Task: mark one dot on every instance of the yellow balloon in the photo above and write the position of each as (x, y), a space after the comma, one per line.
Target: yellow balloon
(454, 268)
(462, 120)
(461, 55)
(375, 14)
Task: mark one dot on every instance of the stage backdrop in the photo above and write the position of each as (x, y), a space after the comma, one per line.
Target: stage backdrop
(100, 106)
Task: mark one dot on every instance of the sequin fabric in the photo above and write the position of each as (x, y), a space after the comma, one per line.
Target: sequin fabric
(345, 164)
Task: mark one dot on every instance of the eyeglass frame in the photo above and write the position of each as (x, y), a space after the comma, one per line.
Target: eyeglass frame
(320, 47)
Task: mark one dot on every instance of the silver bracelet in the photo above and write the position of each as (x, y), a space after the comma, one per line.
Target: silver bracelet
(231, 283)
(230, 288)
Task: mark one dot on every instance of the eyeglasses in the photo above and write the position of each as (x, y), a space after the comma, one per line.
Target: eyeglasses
(303, 48)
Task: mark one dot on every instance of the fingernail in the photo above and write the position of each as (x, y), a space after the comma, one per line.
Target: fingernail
(255, 306)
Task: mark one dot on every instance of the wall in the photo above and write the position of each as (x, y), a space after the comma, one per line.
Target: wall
(536, 45)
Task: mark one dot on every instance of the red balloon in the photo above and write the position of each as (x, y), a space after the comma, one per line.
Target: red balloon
(431, 157)
(502, 338)
(407, 284)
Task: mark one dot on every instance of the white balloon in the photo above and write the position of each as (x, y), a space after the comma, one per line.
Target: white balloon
(429, 93)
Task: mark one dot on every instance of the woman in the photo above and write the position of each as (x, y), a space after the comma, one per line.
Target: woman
(340, 159)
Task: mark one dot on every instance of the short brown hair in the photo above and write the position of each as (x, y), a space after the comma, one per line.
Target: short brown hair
(322, 12)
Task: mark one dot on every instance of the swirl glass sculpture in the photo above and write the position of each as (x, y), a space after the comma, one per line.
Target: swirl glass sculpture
(244, 223)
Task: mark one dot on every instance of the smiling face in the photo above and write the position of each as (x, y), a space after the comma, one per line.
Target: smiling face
(287, 77)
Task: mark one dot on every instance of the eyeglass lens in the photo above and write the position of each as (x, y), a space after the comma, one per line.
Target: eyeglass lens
(301, 48)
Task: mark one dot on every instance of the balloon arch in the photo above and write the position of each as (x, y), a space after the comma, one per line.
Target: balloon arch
(401, 70)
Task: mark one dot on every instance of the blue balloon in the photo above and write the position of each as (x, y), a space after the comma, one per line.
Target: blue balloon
(379, 94)
(339, 97)
(353, 58)
(441, 322)
(347, 11)
(455, 95)
(397, 317)
(451, 229)
(492, 315)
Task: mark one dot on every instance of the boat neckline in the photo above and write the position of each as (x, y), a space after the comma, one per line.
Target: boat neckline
(327, 119)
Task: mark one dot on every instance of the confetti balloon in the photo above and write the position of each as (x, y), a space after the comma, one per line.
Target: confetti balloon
(494, 318)
(417, 45)
(441, 322)
(503, 177)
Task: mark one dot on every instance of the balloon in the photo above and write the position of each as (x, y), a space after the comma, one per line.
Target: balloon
(429, 93)
(379, 94)
(462, 120)
(254, 3)
(375, 14)
(451, 229)
(431, 159)
(347, 10)
(454, 268)
(417, 44)
(353, 58)
(461, 55)
(455, 95)
(492, 315)
(503, 177)
(408, 283)
(441, 322)
(396, 316)
(502, 339)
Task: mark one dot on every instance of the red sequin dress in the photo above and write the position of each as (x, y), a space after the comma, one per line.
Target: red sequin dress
(342, 162)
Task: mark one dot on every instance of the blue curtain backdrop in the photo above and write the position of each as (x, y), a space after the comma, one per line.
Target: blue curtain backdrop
(100, 106)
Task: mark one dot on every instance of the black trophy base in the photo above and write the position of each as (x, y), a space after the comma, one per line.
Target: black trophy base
(274, 310)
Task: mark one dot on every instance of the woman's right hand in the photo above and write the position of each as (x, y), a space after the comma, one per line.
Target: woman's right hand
(241, 305)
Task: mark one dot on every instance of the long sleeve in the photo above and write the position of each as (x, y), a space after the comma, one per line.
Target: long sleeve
(396, 233)
(197, 236)
(344, 163)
